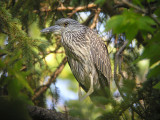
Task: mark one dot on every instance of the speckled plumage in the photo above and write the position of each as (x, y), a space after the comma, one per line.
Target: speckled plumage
(87, 54)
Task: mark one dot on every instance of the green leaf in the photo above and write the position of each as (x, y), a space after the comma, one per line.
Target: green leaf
(150, 0)
(138, 2)
(114, 22)
(144, 23)
(157, 86)
(13, 87)
(130, 23)
(100, 2)
(154, 72)
(23, 82)
(130, 34)
(18, 80)
(151, 51)
(1, 64)
(128, 86)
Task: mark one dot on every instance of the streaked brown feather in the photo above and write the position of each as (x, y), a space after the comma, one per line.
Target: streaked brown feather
(99, 54)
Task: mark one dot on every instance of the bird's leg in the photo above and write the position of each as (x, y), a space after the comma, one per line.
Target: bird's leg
(91, 89)
(79, 92)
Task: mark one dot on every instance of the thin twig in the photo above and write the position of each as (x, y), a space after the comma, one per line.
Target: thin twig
(2, 54)
(63, 8)
(95, 19)
(80, 8)
(155, 19)
(52, 78)
(90, 17)
(115, 66)
(134, 6)
(119, 66)
(66, 113)
(91, 5)
(116, 80)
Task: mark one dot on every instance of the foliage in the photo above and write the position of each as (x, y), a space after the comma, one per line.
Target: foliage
(130, 23)
(28, 59)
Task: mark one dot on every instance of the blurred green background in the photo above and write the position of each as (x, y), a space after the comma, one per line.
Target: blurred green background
(34, 70)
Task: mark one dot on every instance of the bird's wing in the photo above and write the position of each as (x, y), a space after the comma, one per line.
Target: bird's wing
(99, 54)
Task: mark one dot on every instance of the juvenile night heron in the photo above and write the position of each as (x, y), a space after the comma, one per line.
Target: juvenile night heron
(87, 55)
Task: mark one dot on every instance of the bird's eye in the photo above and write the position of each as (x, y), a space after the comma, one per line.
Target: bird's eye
(65, 24)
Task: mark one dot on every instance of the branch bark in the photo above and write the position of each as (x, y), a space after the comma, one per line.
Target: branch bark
(90, 17)
(115, 66)
(80, 8)
(73, 9)
(95, 19)
(43, 88)
(108, 7)
(38, 113)
(134, 6)
(91, 5)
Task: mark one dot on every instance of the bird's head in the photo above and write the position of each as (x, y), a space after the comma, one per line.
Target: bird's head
(60, 25)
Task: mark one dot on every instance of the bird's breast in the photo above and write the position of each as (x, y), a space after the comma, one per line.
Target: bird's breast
(76, 50)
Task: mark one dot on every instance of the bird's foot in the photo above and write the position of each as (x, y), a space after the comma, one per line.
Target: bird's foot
(86, 95)
(79, 93)
(90, 91)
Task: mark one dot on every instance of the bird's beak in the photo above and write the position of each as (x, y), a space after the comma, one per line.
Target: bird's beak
(55, 29)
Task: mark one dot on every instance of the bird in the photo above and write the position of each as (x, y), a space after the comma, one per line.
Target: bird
(87, 56)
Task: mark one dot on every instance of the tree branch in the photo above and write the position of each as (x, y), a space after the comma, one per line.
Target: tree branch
(91, 5)
(134, 6)
(80, 8)
(43, 88)
(90, 17)
(117, 84)
(115, 66)
(108, 8)
(155, 19)
(2, 54)
(73, 9)
(38, 113)
(95, 19)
